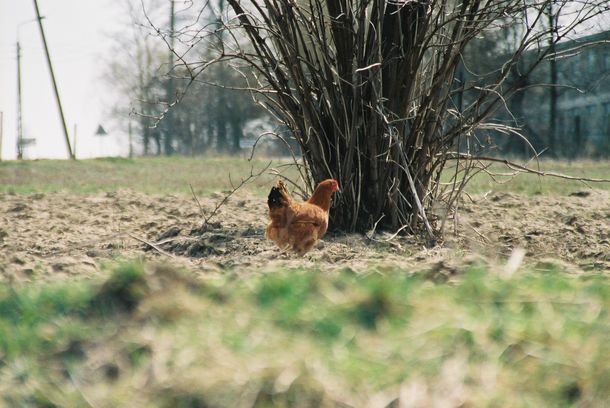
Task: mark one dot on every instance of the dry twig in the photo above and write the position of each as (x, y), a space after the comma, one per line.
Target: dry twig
(253, 176)
(152, 245)
(197, 201)
(521, 168)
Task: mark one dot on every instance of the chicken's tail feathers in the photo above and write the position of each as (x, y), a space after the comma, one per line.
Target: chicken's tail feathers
(275, 198)
(278, 196)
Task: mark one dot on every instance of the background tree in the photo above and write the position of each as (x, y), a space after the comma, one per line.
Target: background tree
(482, 58)
(134, 73)
(214, 112)
(550, 100)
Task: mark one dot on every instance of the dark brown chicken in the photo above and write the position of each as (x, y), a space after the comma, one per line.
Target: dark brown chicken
(298, 226)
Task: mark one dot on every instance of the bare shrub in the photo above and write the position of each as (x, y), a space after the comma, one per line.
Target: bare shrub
(369, 89)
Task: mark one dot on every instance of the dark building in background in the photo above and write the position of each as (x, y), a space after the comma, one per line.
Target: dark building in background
(582, 99)
(583, 108)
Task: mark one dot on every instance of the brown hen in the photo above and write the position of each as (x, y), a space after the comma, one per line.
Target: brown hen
(297, 226)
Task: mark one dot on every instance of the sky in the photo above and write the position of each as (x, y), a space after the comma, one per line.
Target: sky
(79, 38)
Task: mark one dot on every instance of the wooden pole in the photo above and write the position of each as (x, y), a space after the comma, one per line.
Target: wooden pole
(130, 142)
(1, 131)
(553, 142)
(74, 141)
(19, 118)
(171, 86)
(61, 111)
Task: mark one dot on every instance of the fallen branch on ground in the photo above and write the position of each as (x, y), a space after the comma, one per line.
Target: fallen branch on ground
(152, 245)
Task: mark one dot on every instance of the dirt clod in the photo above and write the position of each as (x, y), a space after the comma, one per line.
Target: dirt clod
(580, 194)
(170, 233)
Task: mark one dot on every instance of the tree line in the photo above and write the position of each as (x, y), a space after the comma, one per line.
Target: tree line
(162, 106)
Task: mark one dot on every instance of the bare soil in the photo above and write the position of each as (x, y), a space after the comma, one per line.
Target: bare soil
(64, 235)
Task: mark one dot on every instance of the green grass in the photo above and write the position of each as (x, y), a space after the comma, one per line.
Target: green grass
(206, 175)
(303, 337)
(149, 175)
(531, 184)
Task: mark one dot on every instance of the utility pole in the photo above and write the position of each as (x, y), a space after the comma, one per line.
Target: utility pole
(1, 131)
(553, 145)
(21, 142)
(74, 140)
(61, 111)
(130, 142)
(19, 121)
(222, 145)
(171, 86)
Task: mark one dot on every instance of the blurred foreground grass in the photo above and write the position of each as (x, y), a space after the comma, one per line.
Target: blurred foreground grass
(206, 175)
(157, 337)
